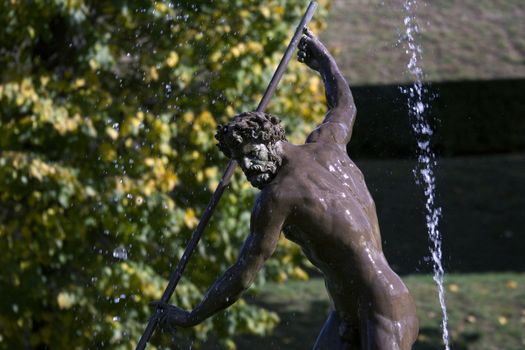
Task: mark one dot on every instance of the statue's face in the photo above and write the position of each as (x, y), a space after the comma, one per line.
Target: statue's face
(258, 163)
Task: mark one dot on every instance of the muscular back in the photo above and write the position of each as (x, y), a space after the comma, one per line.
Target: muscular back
(331, 211)
(332, 216)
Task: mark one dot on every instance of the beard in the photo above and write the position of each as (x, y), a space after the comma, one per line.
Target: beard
(261, 173)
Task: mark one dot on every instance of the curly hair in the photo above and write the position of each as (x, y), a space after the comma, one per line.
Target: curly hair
(249, 126)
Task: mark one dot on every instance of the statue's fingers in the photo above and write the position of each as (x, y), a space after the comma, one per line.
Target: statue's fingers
(165, 323)
(164, 317)
(302, 43)
(307, 42)
(308, 32)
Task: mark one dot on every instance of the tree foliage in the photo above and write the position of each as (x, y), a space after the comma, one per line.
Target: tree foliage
(107, 160)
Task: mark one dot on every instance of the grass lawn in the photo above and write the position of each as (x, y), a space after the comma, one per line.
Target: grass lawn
(461, 40)
(486, 311)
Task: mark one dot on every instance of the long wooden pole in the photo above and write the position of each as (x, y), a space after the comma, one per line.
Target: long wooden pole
(225, 180)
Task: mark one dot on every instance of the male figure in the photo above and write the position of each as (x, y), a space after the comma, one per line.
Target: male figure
(318, 197)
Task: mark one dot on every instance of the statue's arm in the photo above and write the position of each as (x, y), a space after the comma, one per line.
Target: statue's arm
(266, 224)
(338, 122)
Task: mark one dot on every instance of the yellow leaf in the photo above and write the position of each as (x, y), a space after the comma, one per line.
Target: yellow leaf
(39, 169)
(265, 11)
(169, 181)
(79, 82)
(107, 152)
(161, 7)
(254, 46)
(153, 73)
(172, 59)
(313, 84)
(165, 148)
(93, 64)
(152, 291)
(149, 162)
(282, 277)
(279, 10)
(215, 56)
(230, 344)
(211, 172)
(24, 265)
(65, 300)
(149, 187)
(206, 118)
(454, 288)
(112, 133)
(44, 80)
(257, 69)
(199, 176)
(188, 117)
(502, 320)
(235, 51)
(300, 274)
(512, 284)
(190, 219)
(229, 111)
(244, 13)
(31, 32)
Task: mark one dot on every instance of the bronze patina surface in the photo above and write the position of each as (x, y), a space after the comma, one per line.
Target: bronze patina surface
(318, 197)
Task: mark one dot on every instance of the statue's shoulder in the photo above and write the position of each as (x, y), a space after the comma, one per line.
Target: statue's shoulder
(270, 203)
(276, 194)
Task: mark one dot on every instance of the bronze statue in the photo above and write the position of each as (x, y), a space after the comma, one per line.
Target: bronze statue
(318, 197)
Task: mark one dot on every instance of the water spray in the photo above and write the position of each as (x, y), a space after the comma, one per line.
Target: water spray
(426, 159)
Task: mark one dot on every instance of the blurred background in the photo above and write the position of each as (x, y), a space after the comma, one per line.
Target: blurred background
(107, 160)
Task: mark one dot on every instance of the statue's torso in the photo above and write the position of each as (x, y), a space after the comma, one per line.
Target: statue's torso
(333, 218)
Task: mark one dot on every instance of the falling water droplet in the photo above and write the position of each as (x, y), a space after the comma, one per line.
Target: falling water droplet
(420, 107)
(120, 253)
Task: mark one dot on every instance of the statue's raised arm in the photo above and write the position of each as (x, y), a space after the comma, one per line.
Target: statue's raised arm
(338, 122)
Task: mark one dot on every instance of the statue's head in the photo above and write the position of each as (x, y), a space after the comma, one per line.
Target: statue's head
(253, 139)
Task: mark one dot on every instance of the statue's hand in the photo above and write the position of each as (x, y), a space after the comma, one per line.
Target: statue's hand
(172, 316)
(311, 51)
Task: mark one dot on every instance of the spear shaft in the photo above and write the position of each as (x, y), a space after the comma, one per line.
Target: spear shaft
(225, 180)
